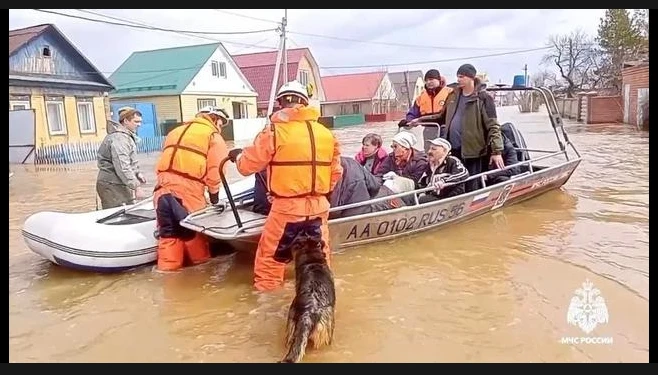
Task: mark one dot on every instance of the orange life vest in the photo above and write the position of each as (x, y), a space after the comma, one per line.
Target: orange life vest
(301, 165)
(186, 148)
(429, 105)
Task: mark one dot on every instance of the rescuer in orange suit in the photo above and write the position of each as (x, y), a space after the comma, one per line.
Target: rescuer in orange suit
(430, 102)
(302, 158)
(188, 165)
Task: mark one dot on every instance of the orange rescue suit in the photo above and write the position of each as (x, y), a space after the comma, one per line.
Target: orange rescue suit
(303, 161)
(430, 105)
(189, 163)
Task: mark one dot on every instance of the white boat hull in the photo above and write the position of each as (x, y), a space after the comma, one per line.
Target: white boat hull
(79, 241)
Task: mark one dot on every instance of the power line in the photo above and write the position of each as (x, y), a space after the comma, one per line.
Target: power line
(139, 23)
(438, 61)
(157, 28)
(402, 44)
(245, 16)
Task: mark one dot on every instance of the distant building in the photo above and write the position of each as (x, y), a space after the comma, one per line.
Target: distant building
(408, 86)
(359, 93)
(170, 85)
(635, 94)
(259, 70)
(65, 91)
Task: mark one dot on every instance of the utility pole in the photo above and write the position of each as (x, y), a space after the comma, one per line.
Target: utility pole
(284, 23)
(525, 75)
(281, 53)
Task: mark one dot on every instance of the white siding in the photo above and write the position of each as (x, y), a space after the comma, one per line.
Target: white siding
(385, 90)
(233, 84)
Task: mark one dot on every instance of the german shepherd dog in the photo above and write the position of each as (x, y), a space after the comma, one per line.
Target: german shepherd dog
(311, 313)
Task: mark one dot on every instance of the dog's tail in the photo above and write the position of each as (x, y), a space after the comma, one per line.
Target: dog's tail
(303, 328)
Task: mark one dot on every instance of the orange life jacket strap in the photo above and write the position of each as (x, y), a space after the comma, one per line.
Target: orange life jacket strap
(177, 146)
(313, 163)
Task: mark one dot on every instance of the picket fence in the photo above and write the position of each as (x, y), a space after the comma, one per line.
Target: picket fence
(81, 152)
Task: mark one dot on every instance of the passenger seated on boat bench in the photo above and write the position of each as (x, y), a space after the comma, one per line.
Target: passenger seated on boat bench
(442, 168)
(510, 157)
(355, 186)
(405, 160)
(372, 153)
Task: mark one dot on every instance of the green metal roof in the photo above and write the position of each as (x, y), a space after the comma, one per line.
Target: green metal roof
(160, 72)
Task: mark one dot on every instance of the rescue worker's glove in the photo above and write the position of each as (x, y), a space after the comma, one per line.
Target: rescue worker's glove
(214, 198)
(402, 123)
(233, 154)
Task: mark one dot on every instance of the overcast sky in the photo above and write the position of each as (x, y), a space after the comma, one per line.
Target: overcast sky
(394, 39)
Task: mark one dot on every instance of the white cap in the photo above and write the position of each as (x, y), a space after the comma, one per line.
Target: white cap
(405, 139)
(441, 142)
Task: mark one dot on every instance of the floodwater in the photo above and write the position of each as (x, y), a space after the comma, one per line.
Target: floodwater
(493, 289)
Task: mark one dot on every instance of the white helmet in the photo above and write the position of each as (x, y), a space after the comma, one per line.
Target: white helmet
(212, 110)
(293, 88)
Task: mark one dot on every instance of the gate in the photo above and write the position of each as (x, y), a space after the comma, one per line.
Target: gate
(22, 137)
(149, 128)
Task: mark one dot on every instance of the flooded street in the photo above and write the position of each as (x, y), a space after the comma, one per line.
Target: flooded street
(493, 289)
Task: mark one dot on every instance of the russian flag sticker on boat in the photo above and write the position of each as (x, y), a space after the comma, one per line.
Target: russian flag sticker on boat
(479, 199)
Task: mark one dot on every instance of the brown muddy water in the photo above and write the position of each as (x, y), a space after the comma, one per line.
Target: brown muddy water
(493, 289)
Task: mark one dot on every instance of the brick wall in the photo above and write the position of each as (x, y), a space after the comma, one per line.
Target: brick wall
(605, 109)
(638, 78)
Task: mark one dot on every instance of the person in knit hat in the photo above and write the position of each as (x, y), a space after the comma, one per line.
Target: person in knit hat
(471, 126)
(429, 103)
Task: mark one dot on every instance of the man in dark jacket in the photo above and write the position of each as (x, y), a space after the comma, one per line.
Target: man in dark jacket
(472, 127)
(442, 169)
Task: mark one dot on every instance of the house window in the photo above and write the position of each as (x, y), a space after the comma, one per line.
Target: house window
(86, 119)
(356, 108)
(303, 77)
(218, 69)
(200, 103)
(55, 115)
(45, 51)
(239, 110)
(19, 102)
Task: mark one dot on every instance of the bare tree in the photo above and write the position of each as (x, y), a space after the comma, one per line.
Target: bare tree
(574, 56)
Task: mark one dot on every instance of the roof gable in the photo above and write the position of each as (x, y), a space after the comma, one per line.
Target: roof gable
(20, 39)
(258, 68)
(165, 71)
(352, 87)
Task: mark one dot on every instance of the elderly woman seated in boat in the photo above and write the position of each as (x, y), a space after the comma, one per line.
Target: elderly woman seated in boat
(372, 153)
(405, 160)
(442, 168)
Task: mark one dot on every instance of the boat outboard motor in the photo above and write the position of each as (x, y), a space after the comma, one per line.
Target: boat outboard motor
(510, 131)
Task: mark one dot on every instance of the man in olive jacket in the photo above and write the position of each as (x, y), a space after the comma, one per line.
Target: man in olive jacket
(472, 127)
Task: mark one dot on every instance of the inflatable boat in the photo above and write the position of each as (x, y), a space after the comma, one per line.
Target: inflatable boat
(111, 240)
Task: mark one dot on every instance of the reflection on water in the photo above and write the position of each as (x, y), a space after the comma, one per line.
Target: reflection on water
(495, 288)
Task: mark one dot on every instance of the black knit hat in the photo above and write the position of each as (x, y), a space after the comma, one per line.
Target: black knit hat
(467, 70)
(432, 74)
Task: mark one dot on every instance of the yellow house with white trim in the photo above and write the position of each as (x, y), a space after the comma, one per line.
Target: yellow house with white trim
(49, 75)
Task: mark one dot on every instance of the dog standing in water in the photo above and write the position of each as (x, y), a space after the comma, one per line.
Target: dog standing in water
(311, 313)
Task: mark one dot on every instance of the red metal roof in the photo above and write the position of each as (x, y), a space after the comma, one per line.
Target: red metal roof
(351, 87)
(258, 68)
(19, 37)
